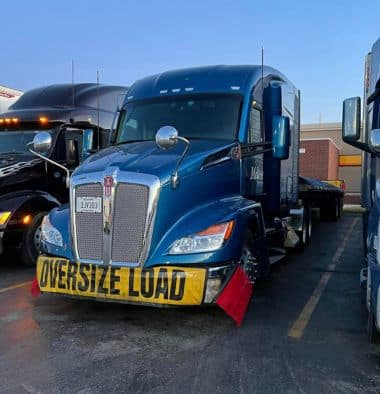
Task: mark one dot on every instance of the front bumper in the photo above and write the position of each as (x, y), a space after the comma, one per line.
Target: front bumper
(158, 286)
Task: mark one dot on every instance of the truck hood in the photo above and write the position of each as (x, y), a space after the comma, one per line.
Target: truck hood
(18, 171)
(145, 157)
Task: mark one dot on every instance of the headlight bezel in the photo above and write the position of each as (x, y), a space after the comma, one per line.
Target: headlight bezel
(50, 234)
(209, 240)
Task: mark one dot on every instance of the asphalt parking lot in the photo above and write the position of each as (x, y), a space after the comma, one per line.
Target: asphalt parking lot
(305, 332)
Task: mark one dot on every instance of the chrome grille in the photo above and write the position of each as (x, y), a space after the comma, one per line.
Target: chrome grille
(89, 226)
(130, 214)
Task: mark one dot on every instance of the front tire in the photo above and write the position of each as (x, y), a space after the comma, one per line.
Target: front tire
(254, 259)
(30, 248)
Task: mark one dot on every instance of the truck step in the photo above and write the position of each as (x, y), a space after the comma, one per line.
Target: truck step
(275, 259)
(277, 254)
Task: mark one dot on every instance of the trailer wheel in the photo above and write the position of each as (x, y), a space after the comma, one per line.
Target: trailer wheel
(307, 225)
(331, 210)
(336, 216)
(30, 248)
(373, 333)
(340, 205)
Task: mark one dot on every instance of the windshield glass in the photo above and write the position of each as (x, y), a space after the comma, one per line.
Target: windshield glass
(15, 141)
(195, 117)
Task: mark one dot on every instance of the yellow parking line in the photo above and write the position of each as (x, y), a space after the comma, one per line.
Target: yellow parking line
(5, 289)
(301, 323)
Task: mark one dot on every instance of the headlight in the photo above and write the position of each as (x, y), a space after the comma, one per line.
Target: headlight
(213, 238)
(4, 216)
(49, 233)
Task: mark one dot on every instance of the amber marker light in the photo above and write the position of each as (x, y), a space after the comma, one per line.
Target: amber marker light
(7, 120)
(27, 219)
(1, 121)
(221, 228)
(44, 120)
(15, 120)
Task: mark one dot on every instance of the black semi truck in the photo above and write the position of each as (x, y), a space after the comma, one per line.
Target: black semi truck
(78, 118)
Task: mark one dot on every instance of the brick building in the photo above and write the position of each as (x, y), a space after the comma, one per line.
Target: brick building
(323, 155)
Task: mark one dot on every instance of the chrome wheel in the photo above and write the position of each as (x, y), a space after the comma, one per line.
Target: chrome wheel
(309, 228)
(248, 263)
(37, 238)
(304, 234)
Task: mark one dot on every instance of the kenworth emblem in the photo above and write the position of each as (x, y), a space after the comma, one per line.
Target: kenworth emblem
(108, 183)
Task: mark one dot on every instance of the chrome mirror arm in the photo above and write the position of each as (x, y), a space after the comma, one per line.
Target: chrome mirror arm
(29, 146)
(174, 177)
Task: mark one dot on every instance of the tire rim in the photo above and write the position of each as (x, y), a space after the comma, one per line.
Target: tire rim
(245, 256)
(37, 238)
(245, 259)
(309, 228)
(304, 233)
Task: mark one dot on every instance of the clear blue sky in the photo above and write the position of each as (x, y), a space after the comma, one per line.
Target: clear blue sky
(319, 45)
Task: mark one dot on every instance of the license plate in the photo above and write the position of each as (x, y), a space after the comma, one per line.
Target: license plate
(89, 204)
(159, 285)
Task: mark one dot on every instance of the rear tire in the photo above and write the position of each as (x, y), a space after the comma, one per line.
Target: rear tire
(30, 248)
(340, 204)
(307, 225)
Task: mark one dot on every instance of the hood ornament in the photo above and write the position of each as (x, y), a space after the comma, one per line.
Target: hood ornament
(108, 184)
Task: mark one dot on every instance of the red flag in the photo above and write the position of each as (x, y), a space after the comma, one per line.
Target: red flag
(35, 288)
(235, 297)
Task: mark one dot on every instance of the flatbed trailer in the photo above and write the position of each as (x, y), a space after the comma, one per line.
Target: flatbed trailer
(328, 199)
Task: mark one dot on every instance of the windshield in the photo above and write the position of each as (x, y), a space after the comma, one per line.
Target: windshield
(15, 141)
(195, 117)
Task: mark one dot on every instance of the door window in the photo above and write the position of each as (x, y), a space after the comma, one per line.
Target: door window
(255, 130)
(253, 164)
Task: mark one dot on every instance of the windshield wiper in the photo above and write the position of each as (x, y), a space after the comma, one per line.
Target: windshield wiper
(129, 142)
(15, 152)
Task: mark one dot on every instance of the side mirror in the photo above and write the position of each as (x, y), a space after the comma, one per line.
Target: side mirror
(166, 137)
(351, 119)
(40, 145)
(375, 140)
(280, 137)
(42, 142)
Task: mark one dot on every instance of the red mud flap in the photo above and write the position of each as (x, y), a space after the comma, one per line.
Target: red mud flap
(35, 288)
(235, 297)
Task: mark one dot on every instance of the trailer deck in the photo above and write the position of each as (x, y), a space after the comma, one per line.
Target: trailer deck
(305, 332)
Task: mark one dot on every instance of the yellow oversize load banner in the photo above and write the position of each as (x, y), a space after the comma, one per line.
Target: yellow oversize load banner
(158, 285)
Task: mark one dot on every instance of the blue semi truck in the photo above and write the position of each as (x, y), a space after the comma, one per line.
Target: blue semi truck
(201, 178)
(365, 135)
